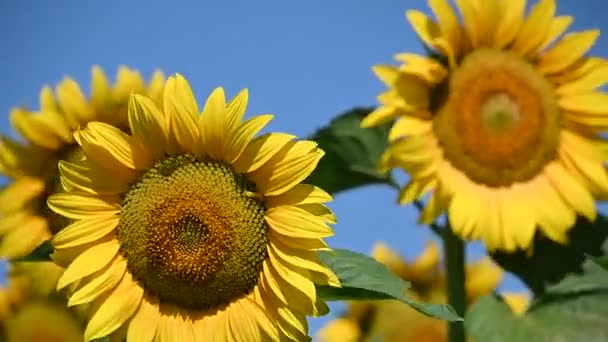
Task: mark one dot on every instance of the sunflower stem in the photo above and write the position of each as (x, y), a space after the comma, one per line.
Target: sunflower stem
(454, 269)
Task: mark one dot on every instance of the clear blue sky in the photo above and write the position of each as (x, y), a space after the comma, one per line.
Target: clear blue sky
(304, 61)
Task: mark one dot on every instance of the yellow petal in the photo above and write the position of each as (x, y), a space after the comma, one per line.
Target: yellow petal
(519, 228)
(22, 240)
(114, 160)
(213, 124)
(553, 215)
(510, 22)
(436, 206)
(425, 68)
(35, 130)
(586, 160)
(567, 51)
(535, 29)
(426, 29)
(81, 177)
(302, 259)
(288, 167)
(295, 222)
(414, 92)
(127, 81)
(407, 126)
(91, 260)
(235, 109)
(414, 190)
(412, 153)
(101, 282)
(595, 103)
(295, 289)
(388, 74)
(257, 312)
(101, 93)
(15, 220)
(313, 244)
(19, 160)
(73, 103)
(588, 82)
(21, 192)
(488, 220)
(78, 207)
(181, 113)
(299, 194)
(147, 126)
(558, 26)
(339, 329)
(242, 323)
(156, 87)
(171, 327)
(463, 214)
(448, 23)
(85, 231)
(379, 116)
(115, 310)
(143, 326)
(483, 276)
(593, 122)
(242, 136)
(260, 150)
(121, 147)
(571, 191)
(47, 100)
(218, 327)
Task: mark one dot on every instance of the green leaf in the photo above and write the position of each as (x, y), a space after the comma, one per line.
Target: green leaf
(576, 317)
(352, 153)
(556, 260)
(575, 309)
(592, 278)
(364, 278)
(601, 262)
(41, 253)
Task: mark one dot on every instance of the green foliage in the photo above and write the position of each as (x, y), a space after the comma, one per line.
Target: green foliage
(550, 261)
(575, 309)
(364, 278)
(352, 153)
(41, 253)
(601, 261)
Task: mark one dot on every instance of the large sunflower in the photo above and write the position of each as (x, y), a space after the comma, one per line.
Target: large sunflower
(32, 167)
(191, 228)
(396, 321)
(500, 121)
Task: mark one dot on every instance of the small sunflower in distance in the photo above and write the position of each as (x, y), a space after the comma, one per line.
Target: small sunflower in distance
(25, 221)
(192, 228)
(501, 122)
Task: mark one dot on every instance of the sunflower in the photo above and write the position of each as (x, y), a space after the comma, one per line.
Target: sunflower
(191, 228)
(396, 321)
(28, 301)
(25, 221)
(501, 122)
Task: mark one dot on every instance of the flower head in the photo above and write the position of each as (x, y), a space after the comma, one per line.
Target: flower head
(191, 227)
(501, 124)
(25, 221)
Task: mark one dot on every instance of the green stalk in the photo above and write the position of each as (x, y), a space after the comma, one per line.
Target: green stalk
(454, 268)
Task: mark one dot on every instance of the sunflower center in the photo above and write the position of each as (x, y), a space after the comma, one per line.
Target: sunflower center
(192, 234)
(499, 123)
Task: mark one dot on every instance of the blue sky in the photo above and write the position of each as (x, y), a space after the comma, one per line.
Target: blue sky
(302, 61)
